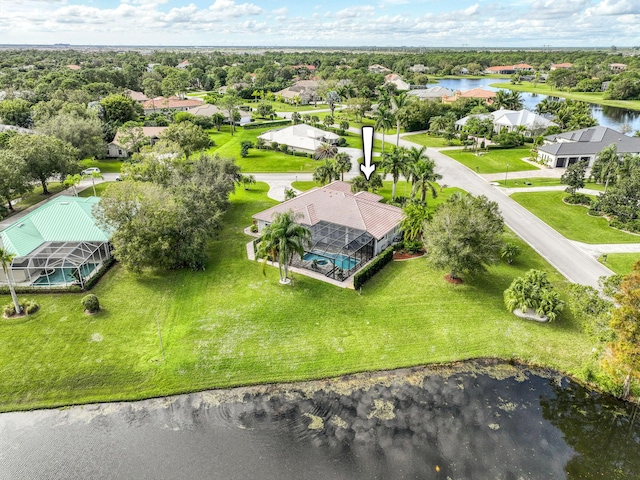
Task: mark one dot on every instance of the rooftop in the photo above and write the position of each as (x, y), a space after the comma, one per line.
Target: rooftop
(588, 141)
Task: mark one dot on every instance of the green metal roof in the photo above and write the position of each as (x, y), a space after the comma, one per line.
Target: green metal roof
(62, 219)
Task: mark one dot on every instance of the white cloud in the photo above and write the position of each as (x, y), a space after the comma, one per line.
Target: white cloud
(229, 8)
(615, 7)
(281, 11)
(353, 12)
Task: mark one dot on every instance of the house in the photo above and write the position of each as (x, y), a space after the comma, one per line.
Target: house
(207, 110)
(302, 68)
(523, 68)
(396, 80)
(305, 90)
(432, 93)
(73, 67)
(183, 65)
(116, 149)
(376, 68)
(301, 137)
(174, 104)
(512, 121)
(137, 96)
(617, 67)
(486, 95)
(567, 148)
(57, 244)
(418, 68)
(347, 229)
(500, 69)
(557, 66)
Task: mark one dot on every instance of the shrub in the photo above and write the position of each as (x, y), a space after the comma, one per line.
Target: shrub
(374, 267)
(578, 199)
(509, 252)
(342, 142)
(9, 310)
(533, 291)
(29, 307)
(90, 303)
(275, 123)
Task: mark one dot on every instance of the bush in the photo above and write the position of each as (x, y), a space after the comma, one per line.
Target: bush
(533, 291)
(578, 199)
(342, 142)
(90, 303)
(276, 123)
(28, 306)
(361, 277)
(9, 310)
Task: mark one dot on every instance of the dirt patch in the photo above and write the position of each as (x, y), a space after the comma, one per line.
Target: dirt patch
(402, 255)
(454, 280)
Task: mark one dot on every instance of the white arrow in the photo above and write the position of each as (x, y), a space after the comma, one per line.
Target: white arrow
(367, 168)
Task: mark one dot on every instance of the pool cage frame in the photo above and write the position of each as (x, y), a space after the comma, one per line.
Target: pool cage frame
(329, 240)
(59, 255)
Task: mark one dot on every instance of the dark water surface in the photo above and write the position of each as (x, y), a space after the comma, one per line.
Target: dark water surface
(471, 421)
(611, 117)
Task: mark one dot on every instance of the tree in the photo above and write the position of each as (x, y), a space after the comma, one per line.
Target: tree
(395, 163)
(622, 200)
(5, 260)
(465, 234)
(14, 179)
(84, 133)
(95, 175)
(344, 125)
(265, 110)
(605, 166)
(295, 118)
(230, 103)
(45, 156)
(438, 124)
(509, 252)
(328, 121)
(534, 291)
(289, 193)
(72, 181)
(281, 240)
(361, 184)
(422, 173)
(414, 218)
(332, 98)
(190, 137)
(326, 150)
(574, 177)
(342, 164)
(325, 173)
(383, 120)
(16, 112)
(119, 109)
(247, 181)
(400, 103)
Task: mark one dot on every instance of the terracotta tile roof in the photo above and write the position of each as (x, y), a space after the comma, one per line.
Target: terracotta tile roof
(477, 93)
(334, 203)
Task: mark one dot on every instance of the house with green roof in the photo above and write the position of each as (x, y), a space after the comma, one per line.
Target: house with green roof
(57, 244)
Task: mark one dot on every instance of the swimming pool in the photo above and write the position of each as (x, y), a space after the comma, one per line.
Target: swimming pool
(339, 260)
(62, 276)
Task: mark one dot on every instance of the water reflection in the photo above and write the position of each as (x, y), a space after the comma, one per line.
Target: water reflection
(477, 420)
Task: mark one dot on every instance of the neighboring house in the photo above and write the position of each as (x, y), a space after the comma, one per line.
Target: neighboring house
(557, 66)
(418, 68)
(137, 96)
(57, 244)
(432, 93)
(486, 95)
(299, 68)
(397, 80)
(500, 69)
(512, 120)
(567, 148)
(301, 137)
(183, 65)
(208, 110)
(347, 229)
(73, 67)
(306, 90)
(115, 149)
(376, 68)
(523, 68)
(175, 104)
(617, 67)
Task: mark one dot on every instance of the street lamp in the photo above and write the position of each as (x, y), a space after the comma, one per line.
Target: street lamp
(505, 175)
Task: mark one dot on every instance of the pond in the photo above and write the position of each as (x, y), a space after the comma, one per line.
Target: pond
(611, 117)
(475, 420)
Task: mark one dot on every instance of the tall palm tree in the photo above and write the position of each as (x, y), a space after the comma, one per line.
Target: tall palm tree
(332, 98)
(384, 119)
(95, 175)
(501, 99)
(5, 260)
(400, 103)
(394, 163)
(438, 123)
(342, 164)
(605, 166)
(325, 173)
(282, 240)
(423, 175)
(514, 100)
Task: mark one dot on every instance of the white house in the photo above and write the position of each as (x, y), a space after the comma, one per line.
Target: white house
(432, 93)
(173, 104)
(397, 80)
(512, 120)
(208, 110)
(301, 137)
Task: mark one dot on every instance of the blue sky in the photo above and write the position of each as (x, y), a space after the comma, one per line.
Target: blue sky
(429, 23)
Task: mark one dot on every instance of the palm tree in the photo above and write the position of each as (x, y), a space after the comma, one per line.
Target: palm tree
(514, 100)
(384, 99)
(342, 164)
(605, 167)
(400, 103)
(361, 184)
(5, 260)
(95, 175)
(332, 98)
(395, 163)
(326, 150)
(423, 175)
(414, 217)
(325, 173)
(289, 193)
(384, 119)
(281, 240)
(501, 98)
(247, 181)
(438, 123)
(72, 181)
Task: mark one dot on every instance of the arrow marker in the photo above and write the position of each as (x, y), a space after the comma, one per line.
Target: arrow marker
(367, 168)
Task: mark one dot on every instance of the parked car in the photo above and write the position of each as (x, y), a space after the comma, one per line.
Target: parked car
(90, 170)
(119, 178)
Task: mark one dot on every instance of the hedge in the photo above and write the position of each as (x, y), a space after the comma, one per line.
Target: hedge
(361, 277)
(277, 123)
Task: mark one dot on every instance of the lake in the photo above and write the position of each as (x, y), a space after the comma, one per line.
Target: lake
(611, 117)
(475, 420)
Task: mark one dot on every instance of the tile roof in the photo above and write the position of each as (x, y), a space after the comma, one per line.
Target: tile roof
(334, 203)
(171, 102)
(300, 136)
(589, 141)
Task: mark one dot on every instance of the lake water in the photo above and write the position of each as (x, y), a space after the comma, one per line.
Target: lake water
(611, 117)
(478, 420)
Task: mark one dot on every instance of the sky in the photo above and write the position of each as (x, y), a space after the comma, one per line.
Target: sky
(383, 23)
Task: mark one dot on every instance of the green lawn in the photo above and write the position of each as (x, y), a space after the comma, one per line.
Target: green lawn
(621, 263)
(36, 195)
(105, 166)
(100, 187)
(495, 161)
(231, 325)
(591, 97)
(544, 182)
(427, 140)
(571, 221)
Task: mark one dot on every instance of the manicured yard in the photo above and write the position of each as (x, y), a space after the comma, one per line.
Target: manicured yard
(230, 325)
(544, 182)
(36, 195)
(621, 263)
(105, 166)
(430, 140)
(100, 187)
(495, 161)
(571, 221)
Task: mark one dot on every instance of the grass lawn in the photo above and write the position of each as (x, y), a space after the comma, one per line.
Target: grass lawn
(621, 263)
(100, 187)
(230, 325)
(105, 166)
(591, 97)
(571, 221)
(36, 195)
(495, 161)
(545, 182)
(430, 140)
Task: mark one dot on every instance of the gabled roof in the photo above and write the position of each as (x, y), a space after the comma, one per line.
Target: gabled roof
(588, 141)
(149, 132)
(334, 203)
(477, 93)
(171, 102)
(432, 92)
(137, 96)
(62, 219)
(300, 136)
